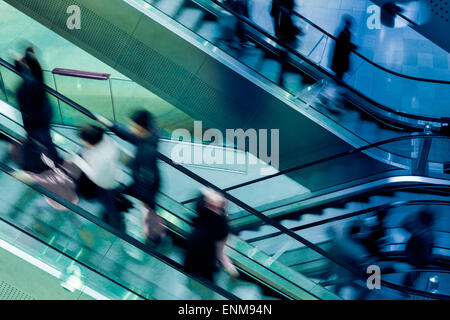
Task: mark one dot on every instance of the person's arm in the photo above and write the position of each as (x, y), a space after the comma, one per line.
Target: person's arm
(120, 130)
(84, 167)
(224, 260)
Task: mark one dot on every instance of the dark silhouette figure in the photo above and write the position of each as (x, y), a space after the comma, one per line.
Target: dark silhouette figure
(419, 248)
(206, 243)
(285, 30)
(275, 12)
(343, 47)
(143, 133)
(36, 112)
(376, 233)
(240, 7)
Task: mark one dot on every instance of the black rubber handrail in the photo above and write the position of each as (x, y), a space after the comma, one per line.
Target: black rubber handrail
(230, 198)
(122, 235)
(323, 70)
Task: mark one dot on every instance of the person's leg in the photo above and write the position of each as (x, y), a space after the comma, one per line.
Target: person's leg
(339, 77)
(32, 158)
(112, 214)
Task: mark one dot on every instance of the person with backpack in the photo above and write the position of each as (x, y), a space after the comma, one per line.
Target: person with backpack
(143, 133)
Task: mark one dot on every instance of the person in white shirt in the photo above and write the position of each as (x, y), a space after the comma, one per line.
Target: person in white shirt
(100, 163)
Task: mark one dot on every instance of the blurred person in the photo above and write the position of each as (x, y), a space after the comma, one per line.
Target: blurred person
(342, 49)
(286, 31)
(419, 248)
(36, 111)
(99, 161)
(375, 236)
(143, 133)
(275, 11)
(232, 26)
(207, 242)
(347, 246)
(60, 180)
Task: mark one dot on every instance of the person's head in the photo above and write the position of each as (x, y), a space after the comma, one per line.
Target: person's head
(348, 21)
(213, 200)
(33, 63)
(142, 123)
(91, 135)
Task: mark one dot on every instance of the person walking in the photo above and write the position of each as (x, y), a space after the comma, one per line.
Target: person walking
(36, 112)
(286, 31)
(143, 133)
(99, 161)
(419, 248)
(207, 242)
(342, 49)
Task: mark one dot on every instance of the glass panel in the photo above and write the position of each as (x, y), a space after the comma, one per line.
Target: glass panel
(128, 96)
(95, 95)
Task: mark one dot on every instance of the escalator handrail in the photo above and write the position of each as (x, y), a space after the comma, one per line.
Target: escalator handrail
(204, 182)
(323, 70)
(120, 234)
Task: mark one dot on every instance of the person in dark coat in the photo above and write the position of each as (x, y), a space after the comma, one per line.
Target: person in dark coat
(234, 27)
(275, 11)
(342, 49)
(419, 248)
(36, 112)
(285, 30)
(143, 133)
(206, 244)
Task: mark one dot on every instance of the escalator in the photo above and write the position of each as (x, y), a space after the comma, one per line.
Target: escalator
(127, 260)
(303, 259)
(198, 21)
(115, 260)
(310, 68)
(250, 260)
(296, 152)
